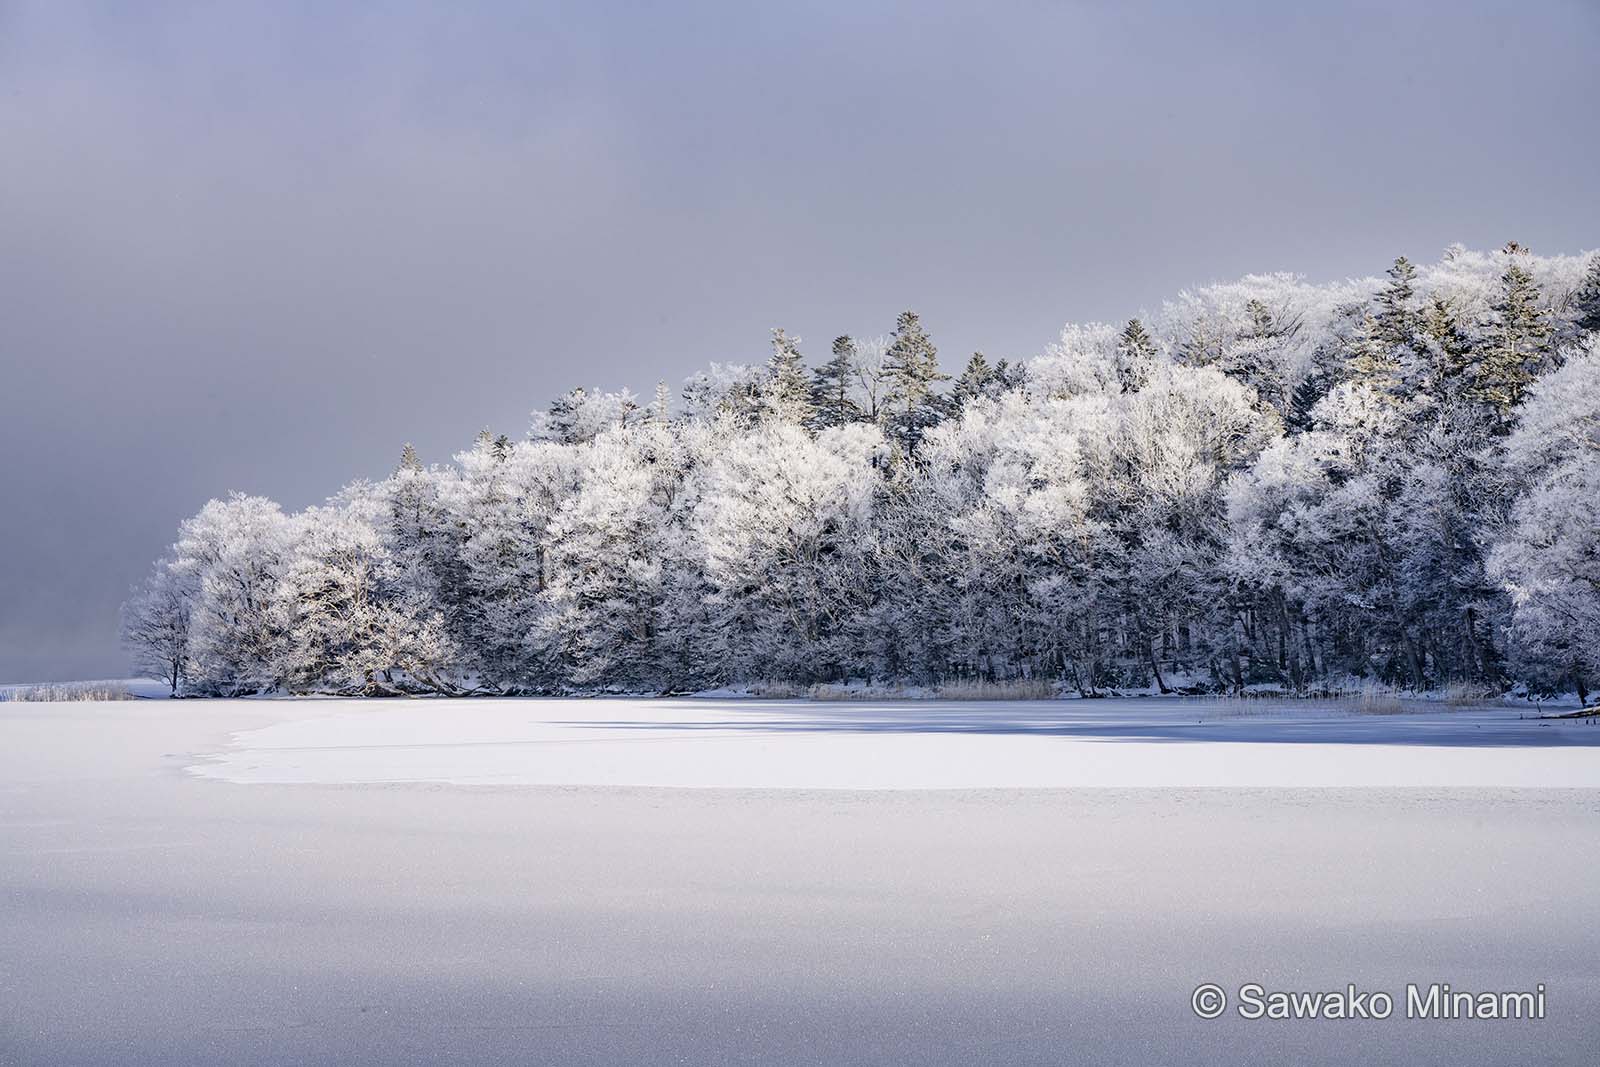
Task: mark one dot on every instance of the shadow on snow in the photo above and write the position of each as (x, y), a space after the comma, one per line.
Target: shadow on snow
(1105, 721)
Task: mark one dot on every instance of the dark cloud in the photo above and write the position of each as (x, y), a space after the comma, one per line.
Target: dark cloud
(259, 248)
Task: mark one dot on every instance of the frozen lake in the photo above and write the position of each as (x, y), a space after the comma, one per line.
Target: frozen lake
(748, 744)
(349, 906)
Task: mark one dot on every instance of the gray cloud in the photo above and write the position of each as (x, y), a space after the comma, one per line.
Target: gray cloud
(261, 247)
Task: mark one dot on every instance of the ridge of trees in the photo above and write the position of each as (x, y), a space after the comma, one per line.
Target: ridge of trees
(1268, 481)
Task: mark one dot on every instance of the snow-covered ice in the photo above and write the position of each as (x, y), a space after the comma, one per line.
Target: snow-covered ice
(148, 915)
(908, 745)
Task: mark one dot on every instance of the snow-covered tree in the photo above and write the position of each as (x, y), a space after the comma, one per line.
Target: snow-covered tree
(1515, 344)
(786, 394)
(503, 510)
(606, 558)
(155, 626)
(232, 554)
(783, 526)
(582, 415)
(732, 389)
(1268, 482)
(356, 620)
(1585, 317)
(1136, 356)
(1083, 361)
(1549, 556)
(912, 368)
(832, 387)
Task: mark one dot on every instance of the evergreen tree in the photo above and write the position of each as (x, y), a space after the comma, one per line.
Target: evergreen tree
(1396, 322)
(1450, 349)
(1515, 344)
(786, 395)
(1311, 388)
(978, 379)
(1383, 356)
(1136, 356)
(1009, 376)
(830, 387)
(429, 577)
(661, 408)
(1371, 362)
(912, 365)
(1586, 301)
(565, 414)
(581, 415)
(1256, 356)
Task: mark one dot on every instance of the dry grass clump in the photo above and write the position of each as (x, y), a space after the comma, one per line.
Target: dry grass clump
(1375, 700)
(973, 689)
(826, 691)
(776, 690)
(1016, 689)
(1370, 700)
(1470, 695)
(965, 689)
(1226, 705)
(63, 691)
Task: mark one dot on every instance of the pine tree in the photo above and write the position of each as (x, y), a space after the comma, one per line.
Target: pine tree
(1586, 301)
(1515, 345)
(1396, 322)
(912, 365)
(581, 415)
(830, 387)
(565, 414)
(1136, 356)
(1383, 355)
(1009, 376)
(408, 459)
(424, 547)
(978, 379)
(661, 407)
(1370, 361)
(1260, 317)
(1450, 347)
(1255, 357)
(1312, 388)
(786, 395)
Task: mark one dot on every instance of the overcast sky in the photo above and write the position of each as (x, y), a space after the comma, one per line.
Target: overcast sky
(259, 248)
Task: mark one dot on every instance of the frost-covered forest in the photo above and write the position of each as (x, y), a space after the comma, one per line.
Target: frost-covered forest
(1267, 482)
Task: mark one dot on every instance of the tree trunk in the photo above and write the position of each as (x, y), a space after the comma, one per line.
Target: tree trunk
(1480, 665)
(1149, 650)
(1305, 639)
(1235, 666)
(1414, 658)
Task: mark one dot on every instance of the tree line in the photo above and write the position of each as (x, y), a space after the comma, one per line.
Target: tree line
(1268, 482)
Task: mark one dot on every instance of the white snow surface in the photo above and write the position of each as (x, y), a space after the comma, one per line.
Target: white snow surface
(151, 916)
(745, 744)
